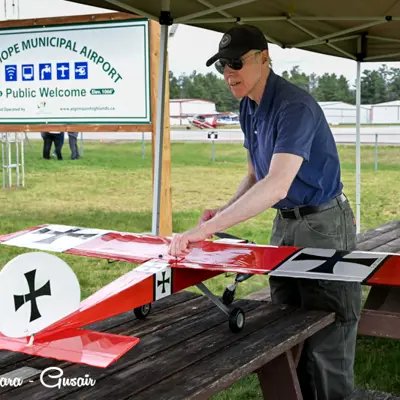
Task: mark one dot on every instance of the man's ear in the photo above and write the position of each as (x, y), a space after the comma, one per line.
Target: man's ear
(265, 57)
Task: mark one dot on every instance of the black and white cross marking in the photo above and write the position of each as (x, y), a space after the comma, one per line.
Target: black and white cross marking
(325, 263)
(74, 232)
(330, 262)
(163, 282)
(20, 300)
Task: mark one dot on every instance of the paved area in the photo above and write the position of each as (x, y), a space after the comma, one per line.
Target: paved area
(386, 135)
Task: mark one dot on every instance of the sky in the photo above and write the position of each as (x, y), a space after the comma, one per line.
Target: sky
(198, 44)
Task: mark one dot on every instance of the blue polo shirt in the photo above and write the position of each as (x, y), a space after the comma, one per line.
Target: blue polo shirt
(289, 120)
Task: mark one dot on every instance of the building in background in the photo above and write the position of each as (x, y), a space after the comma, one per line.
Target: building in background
(386, 113)
(339, 112)
(181, 110)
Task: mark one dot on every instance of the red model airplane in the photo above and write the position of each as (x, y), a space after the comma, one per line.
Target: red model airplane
(41, 309)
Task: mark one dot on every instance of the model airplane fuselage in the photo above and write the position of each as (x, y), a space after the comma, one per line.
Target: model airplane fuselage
(44, 315)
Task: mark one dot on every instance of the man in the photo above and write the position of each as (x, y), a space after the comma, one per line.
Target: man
(73, 145)
(48, 139)
(293, 166)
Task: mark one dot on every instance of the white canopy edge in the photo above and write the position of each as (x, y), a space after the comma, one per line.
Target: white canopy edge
(328, 40)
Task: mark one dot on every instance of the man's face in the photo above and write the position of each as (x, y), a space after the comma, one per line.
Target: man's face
(242, 82)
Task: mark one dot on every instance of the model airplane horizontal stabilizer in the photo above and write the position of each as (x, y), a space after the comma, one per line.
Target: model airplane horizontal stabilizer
(78, 346)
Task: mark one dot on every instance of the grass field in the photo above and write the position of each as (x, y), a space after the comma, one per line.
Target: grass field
(110, 188)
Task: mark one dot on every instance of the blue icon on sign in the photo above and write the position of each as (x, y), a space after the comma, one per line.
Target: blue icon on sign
(81, 70)
(28, 72)
(45, 72)
(11, 73)
(63, 71)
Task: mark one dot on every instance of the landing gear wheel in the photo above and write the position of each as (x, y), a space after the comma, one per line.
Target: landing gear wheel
(236, 320)
(228, 296)
(143, 311)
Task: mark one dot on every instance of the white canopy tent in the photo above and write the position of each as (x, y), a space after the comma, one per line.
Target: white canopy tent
(355, 29)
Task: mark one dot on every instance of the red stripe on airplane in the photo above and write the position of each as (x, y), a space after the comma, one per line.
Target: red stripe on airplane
(184, 278)
(387, 274)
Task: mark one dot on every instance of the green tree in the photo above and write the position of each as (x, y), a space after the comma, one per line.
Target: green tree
(298, 78)
(393, 84)
(333, 88)
(174, 89)
(313, 83)
(206, 87)
(373, 87)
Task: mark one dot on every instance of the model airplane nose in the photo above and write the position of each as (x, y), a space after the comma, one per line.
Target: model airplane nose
(36, 290)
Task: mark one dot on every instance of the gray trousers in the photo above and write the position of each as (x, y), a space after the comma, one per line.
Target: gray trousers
(325, 369)
(73, 145)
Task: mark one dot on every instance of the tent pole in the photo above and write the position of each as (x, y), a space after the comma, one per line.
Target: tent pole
(165, 20)
(358, 147)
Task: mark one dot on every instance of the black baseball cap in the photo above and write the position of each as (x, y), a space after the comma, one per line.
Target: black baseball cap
(238, 41)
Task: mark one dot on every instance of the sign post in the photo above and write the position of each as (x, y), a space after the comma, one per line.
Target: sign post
(212, 136)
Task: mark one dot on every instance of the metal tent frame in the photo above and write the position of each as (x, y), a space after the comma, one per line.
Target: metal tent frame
(364, 36)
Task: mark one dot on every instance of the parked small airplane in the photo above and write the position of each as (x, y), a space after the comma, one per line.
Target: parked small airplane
(213, 120)
(203, 121)
(42, 313)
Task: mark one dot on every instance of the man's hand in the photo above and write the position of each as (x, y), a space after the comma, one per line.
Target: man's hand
(180, 244)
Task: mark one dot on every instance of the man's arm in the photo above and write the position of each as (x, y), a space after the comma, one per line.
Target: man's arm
(263, 195)
(246, 183)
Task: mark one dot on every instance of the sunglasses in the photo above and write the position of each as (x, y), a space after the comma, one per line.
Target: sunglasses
(236, 64)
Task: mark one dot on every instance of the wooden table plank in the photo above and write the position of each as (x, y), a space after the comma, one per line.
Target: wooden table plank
(380, 324)
(242, 357)
(362, 394)
(379, 240)
(391, 246)
(364, 236)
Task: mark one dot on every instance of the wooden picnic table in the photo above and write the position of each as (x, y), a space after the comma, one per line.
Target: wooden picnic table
(186, 352)
(381, 314)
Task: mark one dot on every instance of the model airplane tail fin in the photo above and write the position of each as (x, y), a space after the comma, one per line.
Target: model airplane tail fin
(77, 346)
(36, 290)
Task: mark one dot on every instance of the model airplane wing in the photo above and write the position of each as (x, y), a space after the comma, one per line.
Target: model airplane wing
(107, 244)
(215, 256)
